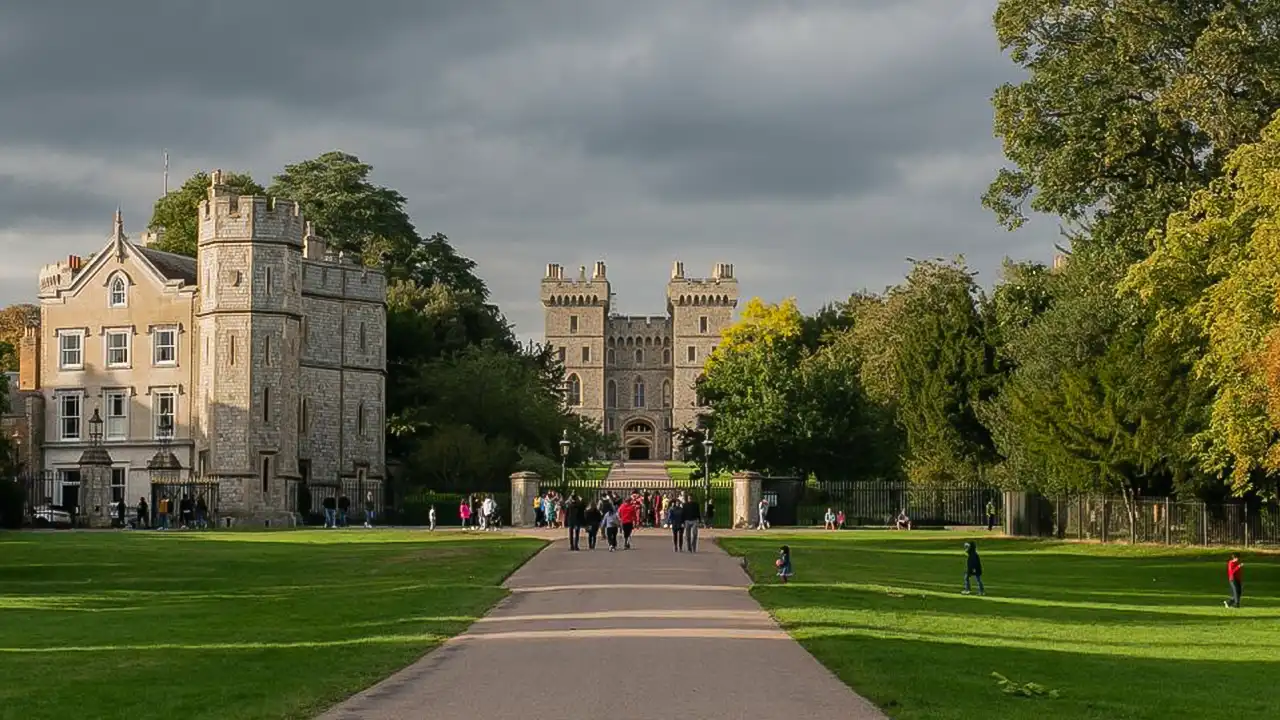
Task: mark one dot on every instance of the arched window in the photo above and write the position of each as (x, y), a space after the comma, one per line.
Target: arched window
(666, 393)
(639, 356)
(638, 397)
(609, 357)
(611, 395)
(119, 296)
(575, 391)
(666, 356)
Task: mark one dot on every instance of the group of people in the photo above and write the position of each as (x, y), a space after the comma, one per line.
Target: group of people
(653, 509)
(192, 512)
(337, 510)
(477, 512)
(612, 514)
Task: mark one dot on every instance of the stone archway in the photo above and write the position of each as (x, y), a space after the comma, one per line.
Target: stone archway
(639, 439)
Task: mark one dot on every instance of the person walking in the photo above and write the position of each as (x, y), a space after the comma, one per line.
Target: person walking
(431, 518)
(611, 521)
(692, 517)
(370, 513)
(676, 513)
(991, 515)
(1235, 577)
(763, 508)
(627, 515)
(973, 568)
(571, 521)
(464, 513)
(330, 505)
(144, 517)
(709, 517)
(344, 510)
(591, 517)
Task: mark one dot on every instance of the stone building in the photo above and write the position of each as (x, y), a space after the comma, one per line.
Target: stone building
(635, 375)
(260, 363)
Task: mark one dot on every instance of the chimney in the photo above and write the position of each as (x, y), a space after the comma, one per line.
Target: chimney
(598, 273)
(313, 247)
(29, 359)
(677, 270)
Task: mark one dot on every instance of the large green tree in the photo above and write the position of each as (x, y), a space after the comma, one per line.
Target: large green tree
(175, 213)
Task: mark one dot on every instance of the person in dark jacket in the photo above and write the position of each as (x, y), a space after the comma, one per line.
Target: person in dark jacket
(344, 509)
(691, 516)
(710, 515)
(591, 518)
(330, 505)
(973, 567)
(677, 524)
(573, 520)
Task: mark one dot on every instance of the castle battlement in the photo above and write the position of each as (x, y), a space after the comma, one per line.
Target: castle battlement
(55, 275)
(721, 289)
(227, 215)
(556, 290)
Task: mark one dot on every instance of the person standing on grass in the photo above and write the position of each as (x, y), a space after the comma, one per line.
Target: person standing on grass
(1235, 577)
(344, 510)
(330, 505)
(783, 564)
(677, 524)
(591, 517)
(464, 512)
(143, 517)
(692, 517)
(764, 514)
(991, 515)
(369, 510)
(610, 522)
(431, 518)
(973, 568)
(829, 520)
(840, 520)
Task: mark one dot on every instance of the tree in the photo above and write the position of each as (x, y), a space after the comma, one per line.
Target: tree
(1128, 107)
(1213, 282)
(14, 320)
(177, 211)
(371, 221)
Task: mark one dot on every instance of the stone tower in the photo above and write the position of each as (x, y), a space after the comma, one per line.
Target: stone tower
(248, 320)
(700, 309)
(577, 311)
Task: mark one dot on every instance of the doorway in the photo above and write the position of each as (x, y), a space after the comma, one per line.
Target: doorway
(638, 452)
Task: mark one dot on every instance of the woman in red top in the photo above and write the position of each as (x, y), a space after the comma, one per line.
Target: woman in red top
(627, 513)
(1235, 576)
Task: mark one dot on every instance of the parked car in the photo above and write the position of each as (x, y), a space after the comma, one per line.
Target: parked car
(50, 516)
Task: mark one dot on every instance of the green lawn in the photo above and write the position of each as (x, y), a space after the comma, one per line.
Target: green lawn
(1118, 631)
(229, 625)
(681, 474)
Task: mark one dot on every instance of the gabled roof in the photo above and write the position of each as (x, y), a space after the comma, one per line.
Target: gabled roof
(171, 265)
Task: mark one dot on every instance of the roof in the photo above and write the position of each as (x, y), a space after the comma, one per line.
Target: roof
(172, 265)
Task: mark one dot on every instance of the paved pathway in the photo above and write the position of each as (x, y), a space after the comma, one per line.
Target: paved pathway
(638, 475)
(645, 633)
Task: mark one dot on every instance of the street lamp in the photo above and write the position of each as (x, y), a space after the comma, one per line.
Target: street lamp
(706, 458)
(564, 455)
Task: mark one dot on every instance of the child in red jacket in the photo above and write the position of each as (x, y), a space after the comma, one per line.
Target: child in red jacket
(1235, 576)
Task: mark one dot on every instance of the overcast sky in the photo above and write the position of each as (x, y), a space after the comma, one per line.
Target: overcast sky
(814, 144)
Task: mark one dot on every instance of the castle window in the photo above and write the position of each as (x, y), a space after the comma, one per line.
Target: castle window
(611, 395)
(608, 424)
(266, 350)
(164, 346)
(69, 408)
(267, 283)
(666, 342)
(70, 349)
(666, 356)
(560, 355)
(693, 354)
(303, 420)
(231, 349)
(266, 474)
(666, 393)
(303, 330)
(266, 404)
(638, 395)
(119, 292)
(586, 353)
(609, 356)
(573, 323)
(702, 324)
(364, 342)
(639, 357)
(574, 394)
(117, 348)
(360, 420)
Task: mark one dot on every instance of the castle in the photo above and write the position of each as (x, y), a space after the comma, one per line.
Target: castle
(259, 365)
(636, 375)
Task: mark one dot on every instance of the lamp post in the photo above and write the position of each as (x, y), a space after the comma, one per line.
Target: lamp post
(706, 458)
(95, 476)
(564, 456)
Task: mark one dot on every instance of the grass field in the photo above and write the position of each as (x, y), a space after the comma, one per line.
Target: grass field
(229, 625)
(1117, 631)
(681, 474)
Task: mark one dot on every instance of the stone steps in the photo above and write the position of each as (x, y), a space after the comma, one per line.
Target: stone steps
(638, 475)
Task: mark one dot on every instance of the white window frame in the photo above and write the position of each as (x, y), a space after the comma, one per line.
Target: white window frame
(59, 399)
(63, 336)
(124, 292)
(107, 334)
(158, 397)
(118, 489)
(157, 346)
(108, 398)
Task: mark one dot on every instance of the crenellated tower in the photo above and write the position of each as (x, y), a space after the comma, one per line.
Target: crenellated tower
(249, 317)
(700, 309)
(577, 312)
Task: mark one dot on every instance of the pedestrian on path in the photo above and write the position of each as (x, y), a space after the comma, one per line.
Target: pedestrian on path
(691, 517)
(611, 522)
(573, 520)
(972, 568)
(627, 514)
(764, 514)
(710, 514)
(1235, 577)
(591, 518)
(677, 524)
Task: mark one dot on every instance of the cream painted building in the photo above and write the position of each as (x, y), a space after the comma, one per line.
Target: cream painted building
(635, 375)
(260, 363)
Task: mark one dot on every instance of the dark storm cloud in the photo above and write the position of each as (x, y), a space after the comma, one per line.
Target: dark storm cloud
(25, 201)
